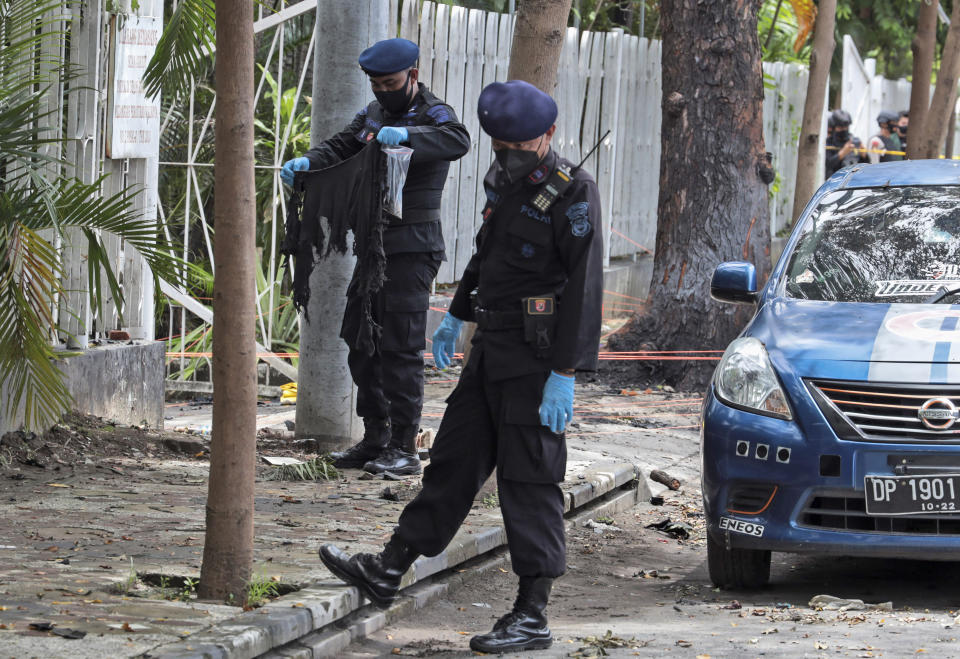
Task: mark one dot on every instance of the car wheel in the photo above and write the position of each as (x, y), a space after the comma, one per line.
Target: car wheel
(737, 568)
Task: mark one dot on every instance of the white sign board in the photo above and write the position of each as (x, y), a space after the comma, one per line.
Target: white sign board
(133, 120)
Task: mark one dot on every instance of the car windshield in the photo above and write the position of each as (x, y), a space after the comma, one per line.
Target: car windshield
(898, 244)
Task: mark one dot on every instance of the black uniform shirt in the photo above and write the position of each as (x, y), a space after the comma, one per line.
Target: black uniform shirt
(833, 162)
(436, 137)
(531, 254)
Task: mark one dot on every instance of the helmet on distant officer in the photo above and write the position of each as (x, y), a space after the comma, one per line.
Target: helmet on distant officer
(887, 119)
(839, 118)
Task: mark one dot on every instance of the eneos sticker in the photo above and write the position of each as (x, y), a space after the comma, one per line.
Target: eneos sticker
(742, 527)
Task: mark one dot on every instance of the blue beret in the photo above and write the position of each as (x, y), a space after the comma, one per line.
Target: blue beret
(389, 56)
(515, 111)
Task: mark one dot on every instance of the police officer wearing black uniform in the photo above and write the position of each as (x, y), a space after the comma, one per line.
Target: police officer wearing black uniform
(390, 381)
(885, 146)
(534, 288)
(843, 149)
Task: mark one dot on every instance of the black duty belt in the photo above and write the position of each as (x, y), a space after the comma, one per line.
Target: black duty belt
(414, 216)
(490, 320)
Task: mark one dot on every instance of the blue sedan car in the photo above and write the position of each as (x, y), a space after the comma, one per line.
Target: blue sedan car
(831, 423)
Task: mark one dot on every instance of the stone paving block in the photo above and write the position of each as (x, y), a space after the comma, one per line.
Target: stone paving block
(426, 593)
(328, 643)
(193, 651)
(490, 539)
(286, 625)
(427, 565)
(289, 652)
(325, 605)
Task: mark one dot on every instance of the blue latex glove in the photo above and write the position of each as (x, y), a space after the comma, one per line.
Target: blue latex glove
(392, 135)
(296, 165)
(556, 409)
(445, 340)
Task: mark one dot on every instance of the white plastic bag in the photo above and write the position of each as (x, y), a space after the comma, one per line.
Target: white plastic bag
(398, 162)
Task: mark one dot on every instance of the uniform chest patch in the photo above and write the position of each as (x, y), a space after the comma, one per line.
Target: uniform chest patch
(579, 216)
(532, 212)
(528, 250)
(537, 175)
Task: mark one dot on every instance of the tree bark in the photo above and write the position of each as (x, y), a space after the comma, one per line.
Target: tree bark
(713, 185)
(537, 41)
(934, 128)
(951, 134)
(228, 547)
(809, 154)
(923, 47)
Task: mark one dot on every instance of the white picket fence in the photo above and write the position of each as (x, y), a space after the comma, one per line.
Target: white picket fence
(606, 81)
(784, 96)
(864, 94)
(78, 110)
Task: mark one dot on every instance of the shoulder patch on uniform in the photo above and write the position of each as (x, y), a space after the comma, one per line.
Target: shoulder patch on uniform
(579, 216)
(439, 113)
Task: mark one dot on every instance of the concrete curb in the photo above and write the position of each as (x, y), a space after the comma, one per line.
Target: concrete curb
(310, 610)
(367, 620)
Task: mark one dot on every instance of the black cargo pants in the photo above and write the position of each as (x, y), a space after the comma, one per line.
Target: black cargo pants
(390, 381)
(494, 424)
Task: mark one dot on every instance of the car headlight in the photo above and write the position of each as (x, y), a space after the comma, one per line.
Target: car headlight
(746, 379)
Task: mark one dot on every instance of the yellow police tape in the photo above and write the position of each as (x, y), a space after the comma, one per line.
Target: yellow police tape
(884, 151)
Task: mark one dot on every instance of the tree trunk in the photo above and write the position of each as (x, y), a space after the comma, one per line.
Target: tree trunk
(228, 547)
(951, 134)
(537, 41)
(713, 184)
(934, 128)
(810, 155)
(923, 47)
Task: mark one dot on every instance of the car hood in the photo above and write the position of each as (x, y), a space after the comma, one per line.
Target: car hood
(859, 341)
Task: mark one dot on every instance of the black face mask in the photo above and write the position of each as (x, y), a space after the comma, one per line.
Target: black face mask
(396, 101)
(842, 135)
(902, 129)
(516, 163)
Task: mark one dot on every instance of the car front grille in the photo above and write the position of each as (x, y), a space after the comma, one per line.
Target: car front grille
(846, 511)
(883, 412)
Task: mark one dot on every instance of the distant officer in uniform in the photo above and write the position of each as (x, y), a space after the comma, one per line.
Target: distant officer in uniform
(537, 278)
(903, 123)
(390, 381)
(843, 149)
(887, 140)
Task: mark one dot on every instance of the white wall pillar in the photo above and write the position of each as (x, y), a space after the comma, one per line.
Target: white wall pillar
(325, 392)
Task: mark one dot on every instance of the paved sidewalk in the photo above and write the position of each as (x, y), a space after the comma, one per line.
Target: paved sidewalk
(102, 550)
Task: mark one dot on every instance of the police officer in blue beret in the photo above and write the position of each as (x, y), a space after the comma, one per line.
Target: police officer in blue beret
(534, 288)
(390, 381)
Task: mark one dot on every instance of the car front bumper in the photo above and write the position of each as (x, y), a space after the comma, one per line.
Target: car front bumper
(817, 485)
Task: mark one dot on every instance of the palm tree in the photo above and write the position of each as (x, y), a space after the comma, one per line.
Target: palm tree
(39, 203)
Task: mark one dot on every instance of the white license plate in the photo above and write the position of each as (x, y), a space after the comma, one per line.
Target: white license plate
(912, 495)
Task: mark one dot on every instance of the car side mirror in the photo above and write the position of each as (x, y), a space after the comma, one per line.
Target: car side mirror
(734, 281)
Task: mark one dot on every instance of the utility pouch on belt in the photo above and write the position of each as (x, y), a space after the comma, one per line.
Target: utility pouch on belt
(539, 323)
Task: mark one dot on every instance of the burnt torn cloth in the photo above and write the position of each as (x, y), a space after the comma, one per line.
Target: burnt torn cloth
(350, 196)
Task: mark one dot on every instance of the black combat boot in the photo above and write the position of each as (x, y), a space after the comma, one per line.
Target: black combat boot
(401, 455)
(524, 628)
(377, 576)
(376, 436)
